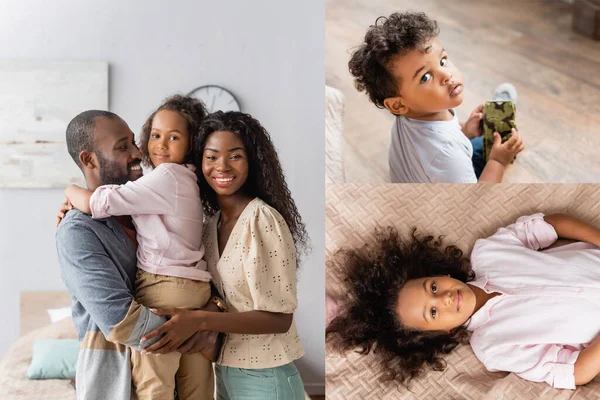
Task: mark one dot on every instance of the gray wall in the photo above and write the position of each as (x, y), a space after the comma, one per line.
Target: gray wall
(269, 53)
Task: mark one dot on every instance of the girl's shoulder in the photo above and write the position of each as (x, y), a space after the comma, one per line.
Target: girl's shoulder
(176, 168)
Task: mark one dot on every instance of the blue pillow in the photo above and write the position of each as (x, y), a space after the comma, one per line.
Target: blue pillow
(54, 359)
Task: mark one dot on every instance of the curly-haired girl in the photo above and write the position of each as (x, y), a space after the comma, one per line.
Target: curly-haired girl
(167, 211)
(528, 311)
(252, 238)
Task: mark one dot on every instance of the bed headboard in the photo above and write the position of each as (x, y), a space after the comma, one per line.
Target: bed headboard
(33, 306)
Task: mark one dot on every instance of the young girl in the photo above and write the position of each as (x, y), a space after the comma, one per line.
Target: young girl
(167, 213)
(530, 312)
(252, 238)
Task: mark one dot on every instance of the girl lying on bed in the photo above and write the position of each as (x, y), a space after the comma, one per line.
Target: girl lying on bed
(530, 312)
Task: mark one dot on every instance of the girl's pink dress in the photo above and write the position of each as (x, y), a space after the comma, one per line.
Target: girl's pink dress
(549, 309)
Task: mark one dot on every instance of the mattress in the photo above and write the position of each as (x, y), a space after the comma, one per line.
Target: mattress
(334, 127)
(463, 214)
(14, 383)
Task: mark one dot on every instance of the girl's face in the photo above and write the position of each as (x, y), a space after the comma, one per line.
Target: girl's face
(169, 140)
(435, 303)
(225, 163)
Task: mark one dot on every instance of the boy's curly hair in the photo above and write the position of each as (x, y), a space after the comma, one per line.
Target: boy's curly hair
(265, 175)
(367, 320)
(388, 38)
(190, 108)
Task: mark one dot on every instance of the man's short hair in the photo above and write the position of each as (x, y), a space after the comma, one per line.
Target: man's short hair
(80, 132)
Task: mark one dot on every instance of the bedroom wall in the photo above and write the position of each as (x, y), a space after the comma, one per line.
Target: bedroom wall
(271, 59)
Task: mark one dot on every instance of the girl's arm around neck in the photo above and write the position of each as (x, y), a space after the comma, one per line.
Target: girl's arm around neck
(79, 198)
(568, 227)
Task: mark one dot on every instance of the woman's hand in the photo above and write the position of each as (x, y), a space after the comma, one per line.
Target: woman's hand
(181, 326)
(64, 207)
(472, 128)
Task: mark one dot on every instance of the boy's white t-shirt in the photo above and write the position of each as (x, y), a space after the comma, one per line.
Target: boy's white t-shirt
(430, 152)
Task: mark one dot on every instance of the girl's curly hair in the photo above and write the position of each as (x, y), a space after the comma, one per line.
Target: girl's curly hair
(265, 175)
(388, 38)
(367, 321)
(190, 108)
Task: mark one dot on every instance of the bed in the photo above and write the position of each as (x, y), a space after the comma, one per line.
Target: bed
(34, 325)
(463, 213)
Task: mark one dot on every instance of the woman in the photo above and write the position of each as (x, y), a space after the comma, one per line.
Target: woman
(252, 236)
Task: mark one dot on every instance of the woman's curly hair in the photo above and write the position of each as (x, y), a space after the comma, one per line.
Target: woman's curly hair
(190, 108)
(265, 175)
(388, 38)
(367, 321)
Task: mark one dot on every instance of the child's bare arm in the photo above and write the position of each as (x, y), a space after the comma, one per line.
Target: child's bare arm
(587, 365)
(501, 155)
(79, 198)
(492, 173)
(568, 227)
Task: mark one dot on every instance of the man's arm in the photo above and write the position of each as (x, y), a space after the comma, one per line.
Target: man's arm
(92, 277)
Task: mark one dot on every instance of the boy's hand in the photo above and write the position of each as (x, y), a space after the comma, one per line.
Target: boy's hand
(472, 128)
(505, 152)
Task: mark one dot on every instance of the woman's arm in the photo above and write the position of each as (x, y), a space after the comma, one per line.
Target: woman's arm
(587, 365)
(250, 322)
(184, 323)
(568, 227)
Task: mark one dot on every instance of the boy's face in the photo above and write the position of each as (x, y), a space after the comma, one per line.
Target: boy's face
(429, 83)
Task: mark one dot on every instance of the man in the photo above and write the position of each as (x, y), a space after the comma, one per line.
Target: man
(98, 263)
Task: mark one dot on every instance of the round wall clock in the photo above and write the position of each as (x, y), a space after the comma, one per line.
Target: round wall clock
(216, 98)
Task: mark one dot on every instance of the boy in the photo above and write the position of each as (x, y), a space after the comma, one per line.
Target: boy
(404, 68)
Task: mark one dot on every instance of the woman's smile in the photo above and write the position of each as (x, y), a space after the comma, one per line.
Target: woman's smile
(223, 180)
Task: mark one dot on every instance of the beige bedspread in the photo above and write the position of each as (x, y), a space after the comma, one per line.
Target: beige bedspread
(463, 213)
(14, 383)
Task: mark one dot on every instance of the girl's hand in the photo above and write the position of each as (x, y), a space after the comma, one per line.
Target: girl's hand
(472, 128)
(505, 152)
(79, 198)
(64, 207)
(179, 328)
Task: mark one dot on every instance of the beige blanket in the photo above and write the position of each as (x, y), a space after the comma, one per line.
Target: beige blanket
(463, 213)
(14, 383)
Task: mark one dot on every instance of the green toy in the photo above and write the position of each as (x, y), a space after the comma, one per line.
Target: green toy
(498, 116)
